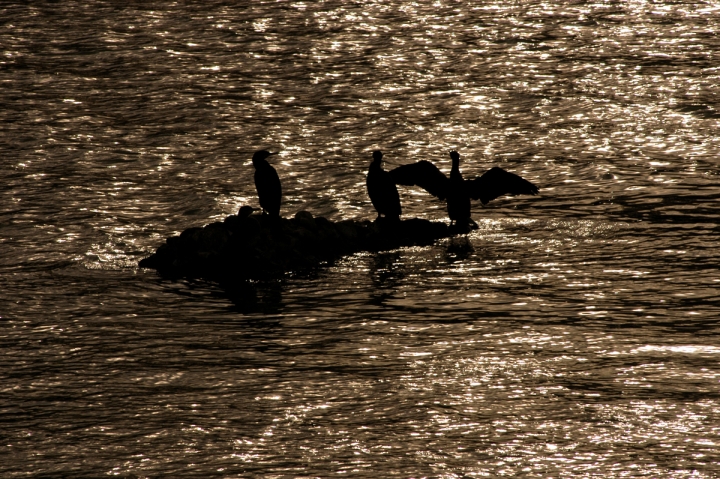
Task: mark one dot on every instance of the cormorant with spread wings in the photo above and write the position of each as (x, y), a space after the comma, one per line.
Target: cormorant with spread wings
(457, 190)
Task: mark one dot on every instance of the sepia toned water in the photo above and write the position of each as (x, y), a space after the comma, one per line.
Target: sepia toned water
(574, 334)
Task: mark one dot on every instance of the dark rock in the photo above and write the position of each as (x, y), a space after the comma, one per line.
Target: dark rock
(347, 229)
(262, 246)
(232, 222)
(213, 237)
(189, 234)
(304, 215)
(306, 220)
(174, 241)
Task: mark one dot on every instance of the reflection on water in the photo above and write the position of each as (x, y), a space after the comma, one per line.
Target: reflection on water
(253, 297)
(572, 334)
(386, 270)
(458, 249)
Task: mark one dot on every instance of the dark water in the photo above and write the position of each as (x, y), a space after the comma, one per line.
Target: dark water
(574, 334)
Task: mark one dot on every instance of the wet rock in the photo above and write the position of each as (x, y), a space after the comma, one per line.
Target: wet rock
(304, 216)
(232, 222)
(213, 237)
(261, 246)
(306, 220)
(347, 229)
(174, 241)
(190, 234)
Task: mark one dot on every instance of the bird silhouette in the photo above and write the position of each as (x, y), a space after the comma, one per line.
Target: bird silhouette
(382, 190)
(458, 191)
(267, 183)
(245, 211)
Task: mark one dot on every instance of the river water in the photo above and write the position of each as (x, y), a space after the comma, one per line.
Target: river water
(574, 334)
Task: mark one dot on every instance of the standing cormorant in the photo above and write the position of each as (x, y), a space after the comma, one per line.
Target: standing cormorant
(267, 183)
(382, 190)
(458, 191)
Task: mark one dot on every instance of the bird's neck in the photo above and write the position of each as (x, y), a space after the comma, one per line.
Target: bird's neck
(455, 171)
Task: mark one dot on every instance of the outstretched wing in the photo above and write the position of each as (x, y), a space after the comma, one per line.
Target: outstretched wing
(497, 182)
(423, 174)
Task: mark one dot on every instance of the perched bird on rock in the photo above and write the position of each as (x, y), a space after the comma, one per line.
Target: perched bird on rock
(267, 183)
(245, 211)
(382, 190)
